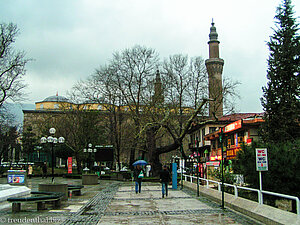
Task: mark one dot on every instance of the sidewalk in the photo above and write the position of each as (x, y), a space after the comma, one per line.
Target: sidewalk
(114, 202)
(149, 207)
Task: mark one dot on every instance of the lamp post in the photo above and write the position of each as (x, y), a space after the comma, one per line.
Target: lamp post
(205, 153)
(197, 167)
(52, 141)
(89, 150)
(222, 166)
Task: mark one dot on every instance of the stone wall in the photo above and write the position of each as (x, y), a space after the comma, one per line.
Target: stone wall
(262, 213)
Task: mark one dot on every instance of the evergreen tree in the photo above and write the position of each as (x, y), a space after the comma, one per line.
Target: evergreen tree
(281, 99)
(283, 164)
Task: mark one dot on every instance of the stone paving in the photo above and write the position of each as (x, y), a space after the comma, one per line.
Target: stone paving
(113, 202)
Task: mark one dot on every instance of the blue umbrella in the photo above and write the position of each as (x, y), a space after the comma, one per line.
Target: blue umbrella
(140, 162)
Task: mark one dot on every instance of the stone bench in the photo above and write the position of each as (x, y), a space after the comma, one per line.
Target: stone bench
(75, 189)
(40, 199)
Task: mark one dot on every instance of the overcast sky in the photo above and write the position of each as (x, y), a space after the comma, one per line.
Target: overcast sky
(69, 39)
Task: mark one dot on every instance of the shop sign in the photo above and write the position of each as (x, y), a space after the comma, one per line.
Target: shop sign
(249, 140)
(214, 158)
(216, 163)
(233, 126)
(261, 159)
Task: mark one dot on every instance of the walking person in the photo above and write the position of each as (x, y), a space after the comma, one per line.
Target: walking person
(30, 171)
(165, 178)
(44, 170)
(138, 175)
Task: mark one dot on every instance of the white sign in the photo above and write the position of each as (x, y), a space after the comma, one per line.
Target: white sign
(181, 163)
(261, 159)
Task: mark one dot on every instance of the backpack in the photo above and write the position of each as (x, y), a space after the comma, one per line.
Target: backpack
(141, 175)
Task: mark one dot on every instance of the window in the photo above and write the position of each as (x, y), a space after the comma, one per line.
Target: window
(100, 107)
(229, 143)
(213, 143)
(212, 129)
(41, 106)
(203, 133)
(56, 106)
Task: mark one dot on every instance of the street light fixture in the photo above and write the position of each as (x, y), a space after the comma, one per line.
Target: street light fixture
(52, 140)
(90, 150)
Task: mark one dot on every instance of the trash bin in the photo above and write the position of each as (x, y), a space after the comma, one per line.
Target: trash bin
(17, 177)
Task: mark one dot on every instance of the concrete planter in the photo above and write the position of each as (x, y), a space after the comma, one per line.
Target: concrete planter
(62, 188)
(89, 179)
(124, 175)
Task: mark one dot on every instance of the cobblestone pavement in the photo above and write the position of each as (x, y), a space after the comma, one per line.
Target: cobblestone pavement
(180, 207)
(113, 202)
(75, 207)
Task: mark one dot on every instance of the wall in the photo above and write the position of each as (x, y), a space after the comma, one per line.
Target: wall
(262, 213)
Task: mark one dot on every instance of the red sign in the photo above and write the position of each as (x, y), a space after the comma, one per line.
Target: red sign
(249, 140)
(233, 126)
(69, 164)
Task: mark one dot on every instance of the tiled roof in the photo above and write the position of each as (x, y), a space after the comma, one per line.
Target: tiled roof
(238, 116)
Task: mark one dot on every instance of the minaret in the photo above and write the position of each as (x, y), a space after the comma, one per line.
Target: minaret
(158, 97)
(214, 66)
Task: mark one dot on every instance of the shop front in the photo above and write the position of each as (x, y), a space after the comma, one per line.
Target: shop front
(235, 135)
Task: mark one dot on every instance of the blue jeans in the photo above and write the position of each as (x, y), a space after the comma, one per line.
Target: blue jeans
(138, 186)
(164, 188)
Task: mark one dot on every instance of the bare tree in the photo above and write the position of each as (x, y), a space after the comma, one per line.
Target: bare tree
(132, 71)
(12, 65)
(131, 77)
(98, 89)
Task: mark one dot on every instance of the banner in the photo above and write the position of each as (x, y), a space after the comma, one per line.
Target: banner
(69, 164)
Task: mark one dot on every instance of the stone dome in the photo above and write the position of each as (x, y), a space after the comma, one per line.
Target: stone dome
(56, 98)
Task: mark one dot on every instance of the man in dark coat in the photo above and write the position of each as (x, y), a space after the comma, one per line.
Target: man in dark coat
(138, 175)
(165, 178)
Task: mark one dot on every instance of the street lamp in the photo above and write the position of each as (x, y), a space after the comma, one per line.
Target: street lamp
(197, 167)
(222, 166)
(206, 168)
(90, 150)
(52, 140)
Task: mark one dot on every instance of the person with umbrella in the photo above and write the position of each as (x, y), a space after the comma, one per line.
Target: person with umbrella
(138, 175)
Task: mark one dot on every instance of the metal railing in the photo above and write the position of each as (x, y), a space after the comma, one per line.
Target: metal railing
(236, 187)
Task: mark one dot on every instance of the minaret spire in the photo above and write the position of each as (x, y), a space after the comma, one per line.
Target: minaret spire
(158, 97)
(214, 66)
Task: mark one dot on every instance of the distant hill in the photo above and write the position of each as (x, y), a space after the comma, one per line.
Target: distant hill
(16, 110)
